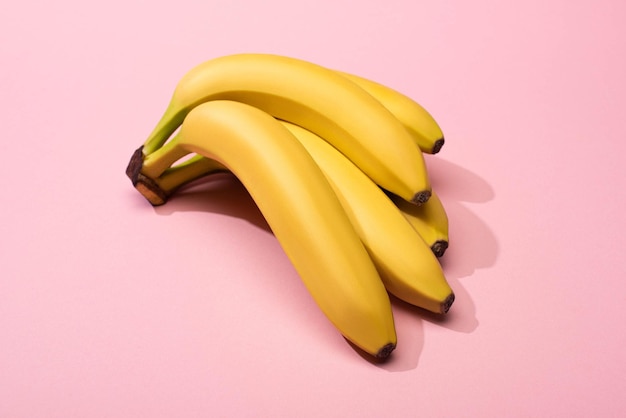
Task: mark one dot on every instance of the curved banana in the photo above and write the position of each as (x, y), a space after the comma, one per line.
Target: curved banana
(301, 209)
(315, 98)
(421, 125)
(408, 267)
(430, 220)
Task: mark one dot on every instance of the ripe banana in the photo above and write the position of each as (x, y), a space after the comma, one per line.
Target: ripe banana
(408, 267)
(300, 207)
(421, 125)
(315, 98)
(430, 220)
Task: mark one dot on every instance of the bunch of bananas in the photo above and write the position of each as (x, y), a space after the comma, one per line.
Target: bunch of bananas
(334, 163)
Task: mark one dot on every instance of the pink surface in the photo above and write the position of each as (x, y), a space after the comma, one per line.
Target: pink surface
(112, 308)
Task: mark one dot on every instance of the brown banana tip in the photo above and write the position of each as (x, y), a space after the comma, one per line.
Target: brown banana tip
(384, 352)
(151, 190)
(134, 165)
(421, 197)
(144, 184)
(445, 306)
(437, 145)
(439, 248)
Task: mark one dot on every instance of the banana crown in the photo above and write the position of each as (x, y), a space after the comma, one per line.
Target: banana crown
(334, 161)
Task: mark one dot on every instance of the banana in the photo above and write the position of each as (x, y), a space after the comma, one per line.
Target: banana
(315, 98)
(416, 119)
(430, 220)
(300, 207)
(408, 267)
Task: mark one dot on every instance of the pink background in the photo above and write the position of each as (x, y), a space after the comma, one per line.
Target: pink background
(112, 308)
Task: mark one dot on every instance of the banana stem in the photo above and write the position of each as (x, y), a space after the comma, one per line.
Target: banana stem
(194, 168)
(172, 118)
(155, 163)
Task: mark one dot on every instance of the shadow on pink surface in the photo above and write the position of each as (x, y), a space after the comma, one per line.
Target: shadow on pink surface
(219, 193)
(473, 246)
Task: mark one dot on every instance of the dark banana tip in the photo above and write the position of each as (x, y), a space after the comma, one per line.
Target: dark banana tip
(151, 190)
(421, 197)
(384, 352)
(144, 184)
(437, 145)
(445, 306)
(134, 165)
(439, 247)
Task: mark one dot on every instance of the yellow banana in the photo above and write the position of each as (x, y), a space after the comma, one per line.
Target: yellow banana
(300, 207)
(408, 267)
(430, 220)
(421, 125)
(315, 98)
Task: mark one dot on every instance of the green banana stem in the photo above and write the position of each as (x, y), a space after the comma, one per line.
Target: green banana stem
(157, 175)
(170, 121)
(156, 162)
(192, 169)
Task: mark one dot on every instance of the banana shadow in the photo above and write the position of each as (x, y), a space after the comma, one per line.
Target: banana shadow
(473, 246)
(459, 183)
(220, 193)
